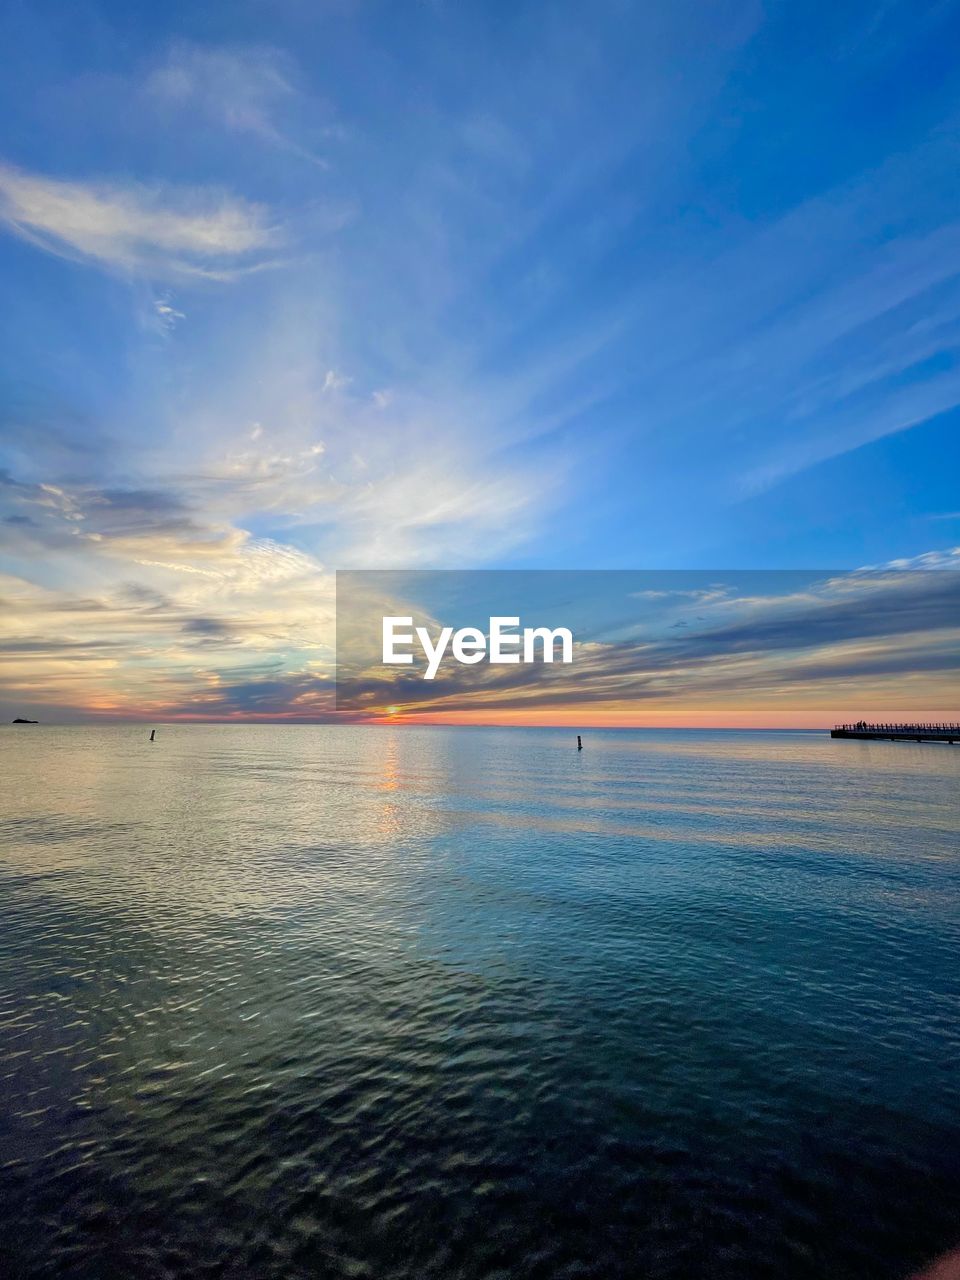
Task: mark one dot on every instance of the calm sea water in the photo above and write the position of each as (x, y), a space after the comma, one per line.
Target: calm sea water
(289, 1002)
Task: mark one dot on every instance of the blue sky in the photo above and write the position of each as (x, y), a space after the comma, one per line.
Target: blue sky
(292, 287)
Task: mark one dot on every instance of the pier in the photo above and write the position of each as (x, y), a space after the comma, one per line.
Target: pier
(898, 732)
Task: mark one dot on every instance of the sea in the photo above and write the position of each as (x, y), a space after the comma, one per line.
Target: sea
(419, 1002)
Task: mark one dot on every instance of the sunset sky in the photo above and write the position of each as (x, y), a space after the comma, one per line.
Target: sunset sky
(758, 648)
(292, 288)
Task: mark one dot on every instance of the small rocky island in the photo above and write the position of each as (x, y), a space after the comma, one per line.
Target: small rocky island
(21, 721)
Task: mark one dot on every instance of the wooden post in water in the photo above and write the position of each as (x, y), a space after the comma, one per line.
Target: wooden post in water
(153, 734)
(579, 743)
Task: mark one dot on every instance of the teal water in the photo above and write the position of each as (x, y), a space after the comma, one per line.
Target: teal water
(315, 1001)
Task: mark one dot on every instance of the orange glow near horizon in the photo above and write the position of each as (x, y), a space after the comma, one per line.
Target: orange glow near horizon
(912, 698)
(761, 714)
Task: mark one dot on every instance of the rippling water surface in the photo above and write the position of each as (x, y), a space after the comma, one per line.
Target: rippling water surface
(311, 1001)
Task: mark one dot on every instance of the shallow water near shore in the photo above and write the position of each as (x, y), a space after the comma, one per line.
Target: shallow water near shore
(369, 1002)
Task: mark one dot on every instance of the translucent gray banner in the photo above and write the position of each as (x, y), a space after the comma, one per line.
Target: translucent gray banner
(515, 645)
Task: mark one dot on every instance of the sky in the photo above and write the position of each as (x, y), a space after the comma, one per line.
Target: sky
(742, 649)
(297, 287)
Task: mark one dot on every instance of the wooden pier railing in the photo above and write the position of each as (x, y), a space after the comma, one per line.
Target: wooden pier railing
(933, 732)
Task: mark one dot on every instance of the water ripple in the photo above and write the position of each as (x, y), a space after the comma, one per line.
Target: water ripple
(363, 1003)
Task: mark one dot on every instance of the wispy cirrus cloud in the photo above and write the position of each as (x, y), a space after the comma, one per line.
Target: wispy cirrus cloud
(245, 90)
(160, 230)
